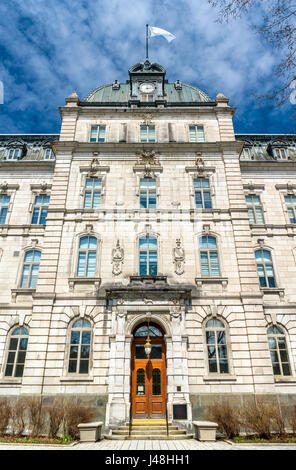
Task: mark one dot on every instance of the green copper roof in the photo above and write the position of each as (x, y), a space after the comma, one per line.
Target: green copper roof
(109, 94)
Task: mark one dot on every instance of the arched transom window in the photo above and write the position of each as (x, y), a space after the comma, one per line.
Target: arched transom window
(16, 356)
(278, 350)
(30, 269)
(216, 347)
(209, 256)
(265, 268)
(80, 342)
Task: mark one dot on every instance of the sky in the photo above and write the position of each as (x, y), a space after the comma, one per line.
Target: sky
(50, 48)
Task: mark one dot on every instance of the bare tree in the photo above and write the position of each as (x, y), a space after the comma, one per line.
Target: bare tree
(278, 27)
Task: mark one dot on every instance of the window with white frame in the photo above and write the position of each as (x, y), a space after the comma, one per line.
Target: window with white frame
(216, 347)
(255, 209)
(209, 259)
(80, 343)
(145, 97)
(148, 256)
(4, 205)
(202, 193)
(30, 269)
(98, 133)
(281, 153)
(16, 354)
(246, 153)
(265, 268)
(48, 154)
(40, 207)
(14, 153)
(196, 134)
(290, 201)
(148, 193)
(92, 193)
(87, 256)
(278, 350)
(147, 133)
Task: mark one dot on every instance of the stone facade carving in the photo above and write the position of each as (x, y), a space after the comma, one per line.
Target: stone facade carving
(117, 259)
(179, 257)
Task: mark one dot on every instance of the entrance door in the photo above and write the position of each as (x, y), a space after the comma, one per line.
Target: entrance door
(148, 375)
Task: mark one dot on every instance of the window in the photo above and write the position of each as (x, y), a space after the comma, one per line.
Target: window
(265, 268)
(92, 193)
(30, 269)
(247, 153)
(202, 193)
(17, 348)
(255, 209)
(80, 342)
(48, 154)
(146, 97)
(14, 154)
(216, 347)
(87, 256)
(97, 133)
(148, 256)
(148, 193)
(4, 204)
(140, 382)
(209, 256)
(280, 153)
(196, 134)
(147, 133)
(291, 208)
(278, 351)
(40, 209)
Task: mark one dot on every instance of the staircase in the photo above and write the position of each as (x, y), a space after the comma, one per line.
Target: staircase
(149, 429)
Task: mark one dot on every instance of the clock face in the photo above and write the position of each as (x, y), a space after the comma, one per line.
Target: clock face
(147, 87)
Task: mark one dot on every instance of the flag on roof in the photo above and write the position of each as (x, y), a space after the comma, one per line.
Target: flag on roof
(161, 32)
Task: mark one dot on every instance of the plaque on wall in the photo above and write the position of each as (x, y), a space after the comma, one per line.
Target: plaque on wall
(179, 411)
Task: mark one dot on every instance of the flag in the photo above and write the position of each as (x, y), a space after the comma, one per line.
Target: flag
(161, 32)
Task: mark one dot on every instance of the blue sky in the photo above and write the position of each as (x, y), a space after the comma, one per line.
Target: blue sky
(50, 48)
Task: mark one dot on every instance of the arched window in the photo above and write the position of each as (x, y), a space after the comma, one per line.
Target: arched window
(216, 347)
(16, 352)
(278, 350)
(30, 269)
(265, 268)
(80, 342)
(87, 256)
(209, 256)
(148, 256)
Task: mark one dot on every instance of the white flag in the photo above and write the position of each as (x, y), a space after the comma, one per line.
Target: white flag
(161, 32)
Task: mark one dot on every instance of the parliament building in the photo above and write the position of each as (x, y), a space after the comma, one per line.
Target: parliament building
(148, 255)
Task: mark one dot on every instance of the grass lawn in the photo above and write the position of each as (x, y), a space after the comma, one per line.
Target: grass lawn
(36, 440)
(286, 439)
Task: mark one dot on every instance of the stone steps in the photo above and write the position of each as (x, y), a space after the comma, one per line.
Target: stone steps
(156, 430)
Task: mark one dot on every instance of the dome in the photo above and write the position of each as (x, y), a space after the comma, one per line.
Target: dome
(120, 94)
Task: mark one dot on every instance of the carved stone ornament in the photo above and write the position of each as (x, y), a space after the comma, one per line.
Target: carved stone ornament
(4, 186)
(179, 258)
(95, 164)
(200, 164)
(117, 259)
(147, 158)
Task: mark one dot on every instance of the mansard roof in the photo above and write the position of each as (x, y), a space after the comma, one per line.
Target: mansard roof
(32, 145)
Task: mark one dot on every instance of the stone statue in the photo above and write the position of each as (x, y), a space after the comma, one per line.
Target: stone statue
(117, 259)
(179, 258)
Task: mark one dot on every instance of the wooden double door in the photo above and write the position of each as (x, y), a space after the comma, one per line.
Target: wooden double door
(148, 381)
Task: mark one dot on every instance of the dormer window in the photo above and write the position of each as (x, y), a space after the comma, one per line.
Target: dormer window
(14, 153)
(246, 154)
(48, 154)
(145, 97)
(280, 153)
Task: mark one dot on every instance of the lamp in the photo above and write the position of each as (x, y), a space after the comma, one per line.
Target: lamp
(148, 346)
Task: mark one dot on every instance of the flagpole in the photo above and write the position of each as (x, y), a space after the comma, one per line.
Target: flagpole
(147, 41)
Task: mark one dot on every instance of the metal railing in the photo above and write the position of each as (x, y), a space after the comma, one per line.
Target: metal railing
(166, 416)
(130, 421)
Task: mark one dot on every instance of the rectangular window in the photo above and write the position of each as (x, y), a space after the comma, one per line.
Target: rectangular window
(4, 203)
(40, 210)
(147, 193)
(255, 210)
(92, 194)
(97, 133)
(196, 134)
(14, 154)
(146, 97)
(202, 193)
(48, 154)
(291, 207)
(147, 133)
(280, 153)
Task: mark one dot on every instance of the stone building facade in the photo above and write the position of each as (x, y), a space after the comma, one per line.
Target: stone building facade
(148, 214)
